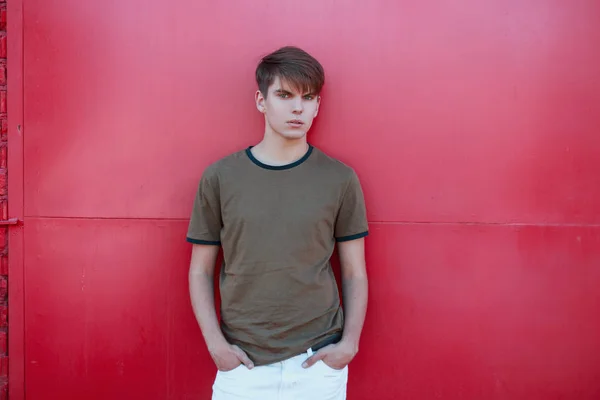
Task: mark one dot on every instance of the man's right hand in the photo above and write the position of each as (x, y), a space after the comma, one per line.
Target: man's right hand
(229, 356)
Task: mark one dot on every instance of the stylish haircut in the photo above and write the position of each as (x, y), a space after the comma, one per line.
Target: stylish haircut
(292, 65)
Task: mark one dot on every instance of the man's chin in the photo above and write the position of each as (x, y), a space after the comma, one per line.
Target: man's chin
(293, 135)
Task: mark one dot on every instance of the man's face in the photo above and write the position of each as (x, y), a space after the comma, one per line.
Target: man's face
(288, 112)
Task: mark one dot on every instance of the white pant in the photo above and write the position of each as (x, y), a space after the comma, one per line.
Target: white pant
(285, 380)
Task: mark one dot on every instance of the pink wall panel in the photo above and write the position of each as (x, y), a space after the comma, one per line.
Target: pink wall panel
(471, 111)
(109, 317)
(481, 312)
(473, 126)
(97, 307)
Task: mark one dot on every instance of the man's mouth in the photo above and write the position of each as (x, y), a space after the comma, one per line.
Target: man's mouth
(295, 122)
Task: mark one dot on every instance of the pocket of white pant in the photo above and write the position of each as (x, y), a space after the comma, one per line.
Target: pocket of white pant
(231, 370)
(331, 368)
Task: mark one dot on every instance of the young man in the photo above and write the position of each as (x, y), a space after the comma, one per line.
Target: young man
(278, 209)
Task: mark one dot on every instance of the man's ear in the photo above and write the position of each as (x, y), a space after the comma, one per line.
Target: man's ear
(318, 106)
(260, 101)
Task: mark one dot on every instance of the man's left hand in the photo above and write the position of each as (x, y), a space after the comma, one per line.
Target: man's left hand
(336, 356)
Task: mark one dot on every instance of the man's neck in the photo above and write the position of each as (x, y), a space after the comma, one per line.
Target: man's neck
(275, 150)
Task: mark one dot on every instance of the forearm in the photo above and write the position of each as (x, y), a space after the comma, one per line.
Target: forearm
(355, 294)
(203, 304)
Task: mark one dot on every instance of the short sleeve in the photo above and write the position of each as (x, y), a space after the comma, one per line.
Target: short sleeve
(205, 222)
(351, 222)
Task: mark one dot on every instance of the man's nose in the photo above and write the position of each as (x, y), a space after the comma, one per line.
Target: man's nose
(298, 107)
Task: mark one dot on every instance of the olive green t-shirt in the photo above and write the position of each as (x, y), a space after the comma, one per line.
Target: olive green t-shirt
(278, 226)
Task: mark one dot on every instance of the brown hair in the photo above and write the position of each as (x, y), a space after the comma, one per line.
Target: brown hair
(292, 65)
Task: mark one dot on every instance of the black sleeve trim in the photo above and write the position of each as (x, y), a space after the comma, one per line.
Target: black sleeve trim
(352, 237)
(209, 242)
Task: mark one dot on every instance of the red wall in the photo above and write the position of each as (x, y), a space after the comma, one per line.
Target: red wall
(473, 126)
(3, 209)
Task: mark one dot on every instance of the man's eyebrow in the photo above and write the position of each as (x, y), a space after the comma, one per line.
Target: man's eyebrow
(283, 91)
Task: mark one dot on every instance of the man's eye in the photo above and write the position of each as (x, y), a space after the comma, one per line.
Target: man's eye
(284, 95)
(308, 97)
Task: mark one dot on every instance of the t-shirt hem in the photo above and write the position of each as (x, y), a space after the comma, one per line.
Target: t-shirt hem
(208, 242)
(352, 237)
(294, 353)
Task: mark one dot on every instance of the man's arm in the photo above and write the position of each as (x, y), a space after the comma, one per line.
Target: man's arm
(355, 289)
(355, 293)
(201, 283)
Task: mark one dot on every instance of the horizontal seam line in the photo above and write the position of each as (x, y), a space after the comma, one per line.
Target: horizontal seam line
(110, 218)
(566, 224)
